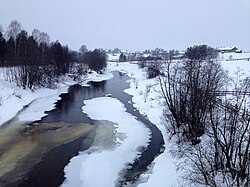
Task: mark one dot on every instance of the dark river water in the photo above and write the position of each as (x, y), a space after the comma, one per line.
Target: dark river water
(60, 135)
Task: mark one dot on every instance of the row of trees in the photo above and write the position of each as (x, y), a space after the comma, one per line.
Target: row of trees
(218, 128)
(31, 60)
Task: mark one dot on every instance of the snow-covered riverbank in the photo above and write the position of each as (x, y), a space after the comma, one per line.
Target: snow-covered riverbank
(147, 99)
(13, 98)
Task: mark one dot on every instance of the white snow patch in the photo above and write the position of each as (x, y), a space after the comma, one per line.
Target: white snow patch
(114, 56)
(13, 99)
(101, 167)
(37, 108)
(95, 77)
(233, 66)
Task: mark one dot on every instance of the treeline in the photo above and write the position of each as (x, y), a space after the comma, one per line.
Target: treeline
(32, 60)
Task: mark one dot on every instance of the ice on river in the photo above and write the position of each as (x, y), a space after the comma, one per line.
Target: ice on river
(101, 166)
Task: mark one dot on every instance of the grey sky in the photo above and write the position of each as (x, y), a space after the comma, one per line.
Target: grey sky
(134, 24)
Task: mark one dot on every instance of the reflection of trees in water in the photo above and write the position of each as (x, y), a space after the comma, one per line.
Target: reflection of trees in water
(121, 74)
(69, 107)
(67, 99)
(99, 87)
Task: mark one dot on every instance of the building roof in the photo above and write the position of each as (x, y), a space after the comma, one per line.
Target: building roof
(227, 48)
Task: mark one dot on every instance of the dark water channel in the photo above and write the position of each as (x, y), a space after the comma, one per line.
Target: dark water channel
(49, 171)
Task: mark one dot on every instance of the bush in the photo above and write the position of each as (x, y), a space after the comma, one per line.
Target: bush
(200, 53)
(189, 89)
(96, 60)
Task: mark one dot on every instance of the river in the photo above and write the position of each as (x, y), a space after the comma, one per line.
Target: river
(47, 145)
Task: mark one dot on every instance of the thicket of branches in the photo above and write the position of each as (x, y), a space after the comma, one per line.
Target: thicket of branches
(153, 67)
(32, 60)
(222, 158)
(188, 89)
(212, 132)
(154, 64)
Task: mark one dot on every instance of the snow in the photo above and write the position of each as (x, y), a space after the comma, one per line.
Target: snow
(233, 65)
(227, 56)
(113, 56)
(163, 172)
(37, 107)
(225, 48)
(106, 164)
(95, 77)
(13, 98)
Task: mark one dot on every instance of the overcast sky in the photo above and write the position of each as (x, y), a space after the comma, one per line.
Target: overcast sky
(134, 24)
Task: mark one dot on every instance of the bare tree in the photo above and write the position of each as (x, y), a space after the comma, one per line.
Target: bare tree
(14, 29)
(222, 158)
(83, 49)
(188, 89)
(36, 35)
(44, 41)
(82, 52)
(44, 38)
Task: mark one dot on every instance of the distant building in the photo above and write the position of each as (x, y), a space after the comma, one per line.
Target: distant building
(179, 55)
(228, 49)
(238, 51)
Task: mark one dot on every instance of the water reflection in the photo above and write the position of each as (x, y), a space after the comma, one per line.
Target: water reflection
(69, 108)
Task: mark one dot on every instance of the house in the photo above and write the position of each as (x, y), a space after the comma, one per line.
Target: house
(227, 49)
(238, 51)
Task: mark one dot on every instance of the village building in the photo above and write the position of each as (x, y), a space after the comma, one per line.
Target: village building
(228, 49)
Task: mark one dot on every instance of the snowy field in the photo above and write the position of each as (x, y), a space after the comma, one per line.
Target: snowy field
(234, 65)
(146, 98)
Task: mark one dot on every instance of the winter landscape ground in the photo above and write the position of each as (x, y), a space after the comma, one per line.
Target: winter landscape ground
(101, 165)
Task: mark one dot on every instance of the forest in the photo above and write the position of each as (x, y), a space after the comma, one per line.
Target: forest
(32, 60)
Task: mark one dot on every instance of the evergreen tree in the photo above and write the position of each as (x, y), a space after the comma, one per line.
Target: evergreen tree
(3, 46)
